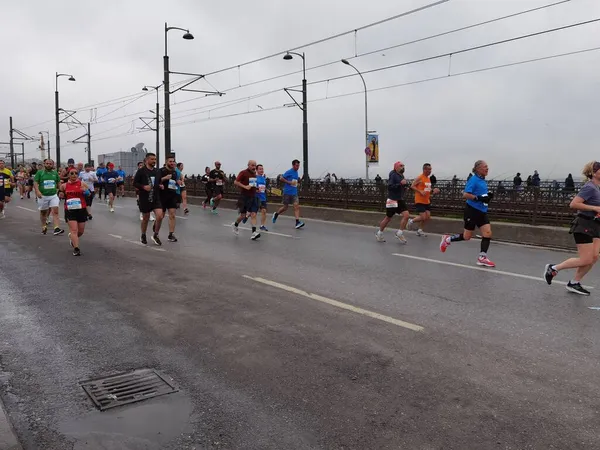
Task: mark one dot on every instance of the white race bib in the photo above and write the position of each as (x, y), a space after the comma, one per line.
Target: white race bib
(73, 203)
(391, 203)
(252, 182)
(427, 187)
(49, 184)
(111, 180)
(172, 184)
(262, 188)
(219, 182)
(151, 181)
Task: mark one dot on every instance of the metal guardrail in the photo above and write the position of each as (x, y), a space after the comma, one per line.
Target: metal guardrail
(543, 205)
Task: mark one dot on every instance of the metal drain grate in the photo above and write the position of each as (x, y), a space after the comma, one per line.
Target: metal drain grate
(125, 388)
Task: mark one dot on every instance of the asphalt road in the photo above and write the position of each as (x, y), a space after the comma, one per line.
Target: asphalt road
(320, 338)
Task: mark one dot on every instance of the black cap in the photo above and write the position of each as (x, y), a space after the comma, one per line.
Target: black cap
(71, 161)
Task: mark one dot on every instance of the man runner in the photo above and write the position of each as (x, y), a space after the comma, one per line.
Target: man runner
(46, 184)
(208, 186)
(248, 201)
(169, 194)
(147, 181)
(395, 203)
(111, 178)
(261, 194)
(422, 186)
(101, 182)
(32, 171)
(217, 178)
(290, 193)
(88, 176)
(121, 182)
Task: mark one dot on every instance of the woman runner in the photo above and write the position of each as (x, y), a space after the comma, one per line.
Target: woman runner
(585, 230)
(183, 192)
(22, 181)
(75, 208)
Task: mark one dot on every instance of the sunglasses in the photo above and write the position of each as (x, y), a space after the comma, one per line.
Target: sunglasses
(72, 173)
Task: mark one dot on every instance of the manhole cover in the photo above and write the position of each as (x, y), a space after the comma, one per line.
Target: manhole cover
(129, 387)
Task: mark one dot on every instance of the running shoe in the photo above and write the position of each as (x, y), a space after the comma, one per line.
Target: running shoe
(214, 211)
(549, 273)
(58, 231)
(274, 219)
(2, 215)
(400, 237)
(255, 236)
(171, 238)
(44, 230)
(112, 209)
(235, 229)
(156, 240)
(90, 217)
(379, 236)
(245, 219)
(409, 224)
(444, 243)
(577, 288)
(212, 202)
(299, 225)
(203, 205)
(263, 228)
(421, 233)
(485, 261)
(143, 239)
(70, 241)
(186, 211)
(76, 251)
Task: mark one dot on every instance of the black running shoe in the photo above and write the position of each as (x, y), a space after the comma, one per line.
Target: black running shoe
(171, 238)
(186, 211)
(44, 230)
(143, 239)
(90, 217)
(156, 239)
(76, 251)
(549, 273)
(58, 231)
(577, 288)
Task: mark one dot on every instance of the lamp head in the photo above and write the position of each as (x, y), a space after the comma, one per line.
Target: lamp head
(188, 36)
(345, 61)
(144, 88)
(287, 57)
(71, 78)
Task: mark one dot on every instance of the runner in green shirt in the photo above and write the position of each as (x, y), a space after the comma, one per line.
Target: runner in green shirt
(46, 184)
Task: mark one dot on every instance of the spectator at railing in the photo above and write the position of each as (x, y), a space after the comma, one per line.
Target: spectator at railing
(535, 179)
(433, 180)
(517, 182)
(454, 180)
(569, 184)
(378, 180)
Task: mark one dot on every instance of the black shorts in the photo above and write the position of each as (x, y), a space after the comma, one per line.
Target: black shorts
(78, 215)
(585, 230)
(169, 201)
(110, 188)
(98, 185)
(217, 190)
(182, 188)
(30, 182)
(247, 204)
(89, 199)
(146, 206)
(8, 192)
(422, 207)
(475, 218)
(390, 212)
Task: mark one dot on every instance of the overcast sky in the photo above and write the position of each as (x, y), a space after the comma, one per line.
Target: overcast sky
(543, 115)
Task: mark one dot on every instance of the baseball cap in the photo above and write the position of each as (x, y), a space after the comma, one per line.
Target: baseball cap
(71, 161)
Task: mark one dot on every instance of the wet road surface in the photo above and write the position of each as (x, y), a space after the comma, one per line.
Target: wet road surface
(319, 338)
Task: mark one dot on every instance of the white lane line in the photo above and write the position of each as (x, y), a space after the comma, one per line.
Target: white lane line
(26, 209)
(180, 217)
(263, 232)
(596, 308)
(116, 236)
(338, 304)
(144, 245)
(483, 269)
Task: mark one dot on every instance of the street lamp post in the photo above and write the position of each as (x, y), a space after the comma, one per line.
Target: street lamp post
(57, 113)
(157, 119)
(188, 36)
(345, 61)
(288, 56)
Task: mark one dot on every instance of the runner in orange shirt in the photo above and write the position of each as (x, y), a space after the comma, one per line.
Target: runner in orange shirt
(422, 187)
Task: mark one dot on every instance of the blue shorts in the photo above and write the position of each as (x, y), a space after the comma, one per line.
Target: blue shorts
(247, 204)
(263, 204)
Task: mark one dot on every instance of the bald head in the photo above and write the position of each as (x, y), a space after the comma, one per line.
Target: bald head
(252, 165)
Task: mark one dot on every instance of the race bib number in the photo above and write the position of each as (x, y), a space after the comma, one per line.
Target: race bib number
(294, 182)
(262, 188)
(73, 203)
(252, 182)
(172, 184)
(219, 183)
(7, 182)
(391, 203)
(427, 187)
(151, 181)
(111, 180)
(49, 184)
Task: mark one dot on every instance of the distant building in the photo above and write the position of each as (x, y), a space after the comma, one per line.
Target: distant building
(127, 160)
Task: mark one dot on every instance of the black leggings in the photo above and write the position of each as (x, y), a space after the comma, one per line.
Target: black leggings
(209, 194)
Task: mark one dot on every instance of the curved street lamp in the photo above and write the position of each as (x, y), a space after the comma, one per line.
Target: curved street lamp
(345, 61)
(288, 57)
(57, 112)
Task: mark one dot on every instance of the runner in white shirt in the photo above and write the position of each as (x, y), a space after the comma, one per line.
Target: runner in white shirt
(89, 177)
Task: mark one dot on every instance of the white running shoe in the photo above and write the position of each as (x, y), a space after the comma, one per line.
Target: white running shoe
(379, 236)
(235, 229)
(420, 232)
(112, 209)
(255, 236)
(3, 215)
(400, 237)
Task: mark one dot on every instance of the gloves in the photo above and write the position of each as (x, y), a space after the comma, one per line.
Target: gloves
(485, 198)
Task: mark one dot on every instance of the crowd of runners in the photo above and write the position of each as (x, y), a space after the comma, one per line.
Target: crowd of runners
(161, 191)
